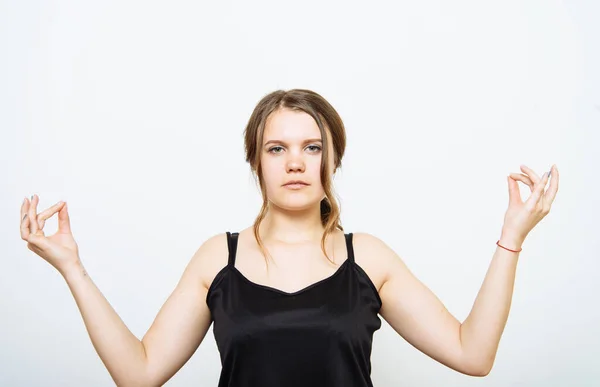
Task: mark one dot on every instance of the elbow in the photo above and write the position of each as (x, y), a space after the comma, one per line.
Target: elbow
(135, 383)
(477, 368)
(135, 379)
(484, 372)
(130, 382)
(477, 365)
(481, 370)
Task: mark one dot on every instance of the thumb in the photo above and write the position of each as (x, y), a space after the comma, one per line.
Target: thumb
(64, 222)
(514, 194)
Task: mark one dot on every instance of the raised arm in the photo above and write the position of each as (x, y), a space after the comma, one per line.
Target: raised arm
(420, 317)
(178, 329)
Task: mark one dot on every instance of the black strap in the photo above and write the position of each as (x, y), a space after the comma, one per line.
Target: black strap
(349, 247)
(232, 239)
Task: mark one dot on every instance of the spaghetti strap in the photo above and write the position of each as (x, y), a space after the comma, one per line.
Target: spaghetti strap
(349, 247)
(232, 239)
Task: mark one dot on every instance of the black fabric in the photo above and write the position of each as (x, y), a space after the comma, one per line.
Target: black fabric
(318, 336)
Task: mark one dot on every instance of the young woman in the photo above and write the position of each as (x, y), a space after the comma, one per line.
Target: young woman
(295, 300)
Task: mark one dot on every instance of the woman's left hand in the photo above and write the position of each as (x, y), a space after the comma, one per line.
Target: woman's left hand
(521, 217)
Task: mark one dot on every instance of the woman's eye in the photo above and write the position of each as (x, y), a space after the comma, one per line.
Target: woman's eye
(279, 149)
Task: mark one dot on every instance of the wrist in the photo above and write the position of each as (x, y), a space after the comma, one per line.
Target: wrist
(510, 242)
(73, 270)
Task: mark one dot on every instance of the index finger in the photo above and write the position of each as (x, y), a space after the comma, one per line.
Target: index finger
(50, 211)
(534, 176)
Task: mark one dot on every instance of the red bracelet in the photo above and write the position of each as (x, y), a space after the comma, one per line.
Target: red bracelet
(514, 251)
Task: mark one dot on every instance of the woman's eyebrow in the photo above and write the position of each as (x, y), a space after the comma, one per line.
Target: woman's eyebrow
(283, 143)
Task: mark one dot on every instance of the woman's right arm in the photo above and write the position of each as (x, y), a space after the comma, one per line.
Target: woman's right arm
(174, 336)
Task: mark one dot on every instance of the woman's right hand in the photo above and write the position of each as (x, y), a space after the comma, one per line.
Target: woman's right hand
(60, 250)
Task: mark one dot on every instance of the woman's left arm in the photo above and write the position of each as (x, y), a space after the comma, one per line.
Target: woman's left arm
(421, 318)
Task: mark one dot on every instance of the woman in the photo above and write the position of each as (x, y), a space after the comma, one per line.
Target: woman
(295, 300)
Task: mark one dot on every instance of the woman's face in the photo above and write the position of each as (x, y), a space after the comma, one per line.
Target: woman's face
(292, 151)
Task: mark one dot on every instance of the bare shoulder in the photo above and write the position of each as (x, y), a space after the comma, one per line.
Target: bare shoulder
(372, 249)
(210, 258)
(375, 257)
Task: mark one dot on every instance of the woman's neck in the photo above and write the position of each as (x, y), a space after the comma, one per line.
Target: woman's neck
(292, 227)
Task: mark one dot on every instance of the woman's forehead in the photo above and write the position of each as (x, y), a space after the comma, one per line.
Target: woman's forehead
(292, 126)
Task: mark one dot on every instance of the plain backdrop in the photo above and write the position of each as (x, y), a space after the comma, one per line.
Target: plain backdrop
(133, 112)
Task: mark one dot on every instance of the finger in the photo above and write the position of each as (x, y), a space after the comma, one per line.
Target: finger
(24, 220)
(514, 194)
(32, 214)
(537, 193)
(24, 207)
(523, 178)
(534, 176)
(553, 189)
(48, 213)
(36, 242)
(64, 221)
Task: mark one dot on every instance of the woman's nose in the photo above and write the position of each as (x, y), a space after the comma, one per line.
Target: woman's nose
(295, 164)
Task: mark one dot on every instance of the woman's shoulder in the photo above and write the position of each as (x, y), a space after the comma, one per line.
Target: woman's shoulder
(374, 256)
(367, 244)
(210, 258)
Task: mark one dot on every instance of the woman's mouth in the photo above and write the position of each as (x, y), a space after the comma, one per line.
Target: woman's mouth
(295, 184)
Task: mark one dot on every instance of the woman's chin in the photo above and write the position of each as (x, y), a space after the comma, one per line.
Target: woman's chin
(297, 204)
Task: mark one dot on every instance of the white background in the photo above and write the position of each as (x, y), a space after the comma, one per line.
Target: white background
(133, 113)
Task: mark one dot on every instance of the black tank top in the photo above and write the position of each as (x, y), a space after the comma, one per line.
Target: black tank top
(320, 335)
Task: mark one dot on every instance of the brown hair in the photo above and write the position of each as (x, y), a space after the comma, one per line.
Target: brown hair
(326, 118)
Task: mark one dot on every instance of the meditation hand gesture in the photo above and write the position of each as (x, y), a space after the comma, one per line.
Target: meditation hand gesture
(521, 217)
(60, 250)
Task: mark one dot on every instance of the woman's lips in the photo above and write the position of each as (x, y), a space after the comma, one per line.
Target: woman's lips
(296, 185)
